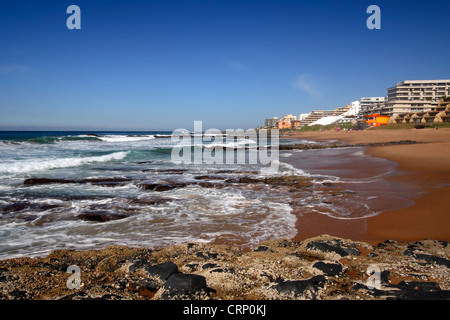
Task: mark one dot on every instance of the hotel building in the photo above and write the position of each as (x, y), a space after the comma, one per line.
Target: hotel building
(415, 96)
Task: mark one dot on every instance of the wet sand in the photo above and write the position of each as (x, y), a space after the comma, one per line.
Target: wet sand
(425, 167)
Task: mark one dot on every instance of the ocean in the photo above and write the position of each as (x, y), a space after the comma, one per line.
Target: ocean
(89, 190)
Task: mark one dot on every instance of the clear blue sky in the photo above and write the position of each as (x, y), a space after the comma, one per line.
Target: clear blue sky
(162, 64)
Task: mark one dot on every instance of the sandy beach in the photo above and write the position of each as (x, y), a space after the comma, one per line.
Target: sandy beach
(425, 165)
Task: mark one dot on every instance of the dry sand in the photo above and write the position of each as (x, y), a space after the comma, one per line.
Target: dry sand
(426, 165)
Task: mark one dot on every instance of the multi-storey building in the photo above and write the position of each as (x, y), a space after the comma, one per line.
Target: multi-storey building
(415, 96)
(371, 105)
(355, 108)
(439, 114)
(271, 123)
(288, 118)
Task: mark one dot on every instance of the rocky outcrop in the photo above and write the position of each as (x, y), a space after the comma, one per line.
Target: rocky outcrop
(322, 268)
(107, 182)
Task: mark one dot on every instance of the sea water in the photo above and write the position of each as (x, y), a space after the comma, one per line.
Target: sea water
(38, 218)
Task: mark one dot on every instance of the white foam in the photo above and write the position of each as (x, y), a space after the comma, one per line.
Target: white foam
(232, 144)
(36, 164)
(120, 138)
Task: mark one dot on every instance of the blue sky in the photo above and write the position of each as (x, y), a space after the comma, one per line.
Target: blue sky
(160, 65)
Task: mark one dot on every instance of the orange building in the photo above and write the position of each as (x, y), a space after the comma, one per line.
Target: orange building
(376, 119)
(283, 124)
(295, 123)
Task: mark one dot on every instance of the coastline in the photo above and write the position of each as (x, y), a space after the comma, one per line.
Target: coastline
(328, 259)
(424, 165)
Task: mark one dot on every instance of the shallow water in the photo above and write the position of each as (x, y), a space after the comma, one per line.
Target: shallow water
(364, 184)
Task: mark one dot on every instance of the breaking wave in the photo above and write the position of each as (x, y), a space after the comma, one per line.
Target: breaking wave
(22, 166)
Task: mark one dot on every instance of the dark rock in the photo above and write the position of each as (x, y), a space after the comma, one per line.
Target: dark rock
(209, 265)
(180, 286)
(146, 287)
(38, 181)
(19, 206)
(107, 182)
(161, 186)
(223, 270)
(150, 202)
(190, 245)
(173, 171)
(192, 266)
(19, 295)
(428, 258)
(300, 287)
(201, 255)
(162, 271)
(329, 269)
(101, 216)
(421, 290)
(384, 277)
(334, 246)
(418, 285)
(286, 244)
(15, 207)
(207, 256)
(210, 178)
(137, 264)
(262, 248)
(409, 252)
(293, 181)
(433, 259)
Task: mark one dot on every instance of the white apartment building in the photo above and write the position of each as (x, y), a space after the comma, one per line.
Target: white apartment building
(302, 116)
(355, 108)
(415, 96)
(369, 105)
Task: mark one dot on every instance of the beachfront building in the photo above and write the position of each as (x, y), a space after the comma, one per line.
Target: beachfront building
(315, 115)
(302, 116)
(371, 105)
(439, 114)
(415, 96)
(325, 117)
(355, 108)
(284, 124)
(288, 118)
(376, 119)
(271, 123)
(295, 124)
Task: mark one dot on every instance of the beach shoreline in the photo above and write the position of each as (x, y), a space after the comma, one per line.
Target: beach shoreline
(328, 259)
(424, 165)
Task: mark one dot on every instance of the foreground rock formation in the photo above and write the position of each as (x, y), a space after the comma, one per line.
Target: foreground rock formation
(319, 268)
